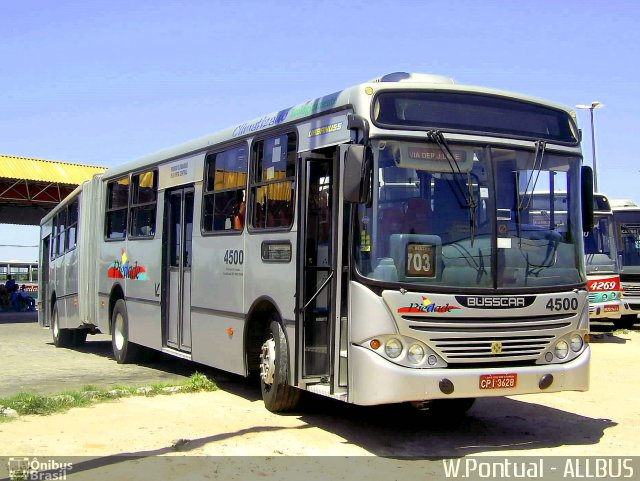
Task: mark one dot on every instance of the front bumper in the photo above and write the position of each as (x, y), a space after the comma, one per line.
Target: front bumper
(607, 310)
(379, 381)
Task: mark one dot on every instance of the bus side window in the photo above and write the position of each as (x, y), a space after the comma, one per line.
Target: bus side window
(117, 206)
(224, 192)
(272, 181)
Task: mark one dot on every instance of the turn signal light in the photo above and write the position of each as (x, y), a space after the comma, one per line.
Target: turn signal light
(375, 344)
(230, 331)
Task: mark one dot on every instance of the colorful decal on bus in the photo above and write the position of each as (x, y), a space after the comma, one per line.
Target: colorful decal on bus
(429, 306)
(122, 270)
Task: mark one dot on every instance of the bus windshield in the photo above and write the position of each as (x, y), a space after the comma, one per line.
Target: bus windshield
(628, 226)
(598, 248)
(432, 220)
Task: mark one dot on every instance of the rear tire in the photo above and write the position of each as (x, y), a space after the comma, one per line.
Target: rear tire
(277, 394)
(61, 337)
(124, 352)
(625, 322)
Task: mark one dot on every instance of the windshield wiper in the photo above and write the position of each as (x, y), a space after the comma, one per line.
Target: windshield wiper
(540, 148)
(436, 137)
(525, 202)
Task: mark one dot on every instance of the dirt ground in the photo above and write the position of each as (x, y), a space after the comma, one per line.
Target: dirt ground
(233, 422)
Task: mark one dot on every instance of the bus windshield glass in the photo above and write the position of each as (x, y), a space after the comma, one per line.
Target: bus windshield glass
(598, 246)
(628, 234)
(474, 113)
(441, 220)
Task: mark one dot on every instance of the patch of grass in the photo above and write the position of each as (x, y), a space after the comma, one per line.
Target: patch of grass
(29, 403)
(199, 382)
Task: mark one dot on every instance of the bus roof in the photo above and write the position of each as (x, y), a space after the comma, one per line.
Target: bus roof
(359, 96)
(622, 203)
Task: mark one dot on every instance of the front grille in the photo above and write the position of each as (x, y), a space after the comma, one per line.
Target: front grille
(631, 290)
(499, 324)
(469, 340)
(479, 349)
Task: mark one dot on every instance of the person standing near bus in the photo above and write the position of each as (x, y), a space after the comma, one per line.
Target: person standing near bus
(10, 285)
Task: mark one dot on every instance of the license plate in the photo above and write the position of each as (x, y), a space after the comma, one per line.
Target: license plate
(611, 308)
(498, 381)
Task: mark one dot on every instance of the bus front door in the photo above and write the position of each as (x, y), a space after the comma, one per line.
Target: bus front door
(178, 259)
(316, 305)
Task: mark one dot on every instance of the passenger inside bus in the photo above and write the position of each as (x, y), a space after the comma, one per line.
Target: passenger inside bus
(240, 211)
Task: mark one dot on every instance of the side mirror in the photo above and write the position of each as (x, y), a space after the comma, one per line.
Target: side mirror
(587, 198)
(357, 173)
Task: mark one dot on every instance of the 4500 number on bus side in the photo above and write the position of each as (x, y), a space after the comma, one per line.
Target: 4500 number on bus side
(234, 257)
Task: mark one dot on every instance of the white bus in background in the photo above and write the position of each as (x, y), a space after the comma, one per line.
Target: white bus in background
(375, 245)
(23, 273)
(626, 218)
(605, 295)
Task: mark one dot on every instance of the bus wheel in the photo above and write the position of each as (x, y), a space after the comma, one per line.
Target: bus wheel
(123, 351)
(277, 394)
(625, 322)
(61, 337)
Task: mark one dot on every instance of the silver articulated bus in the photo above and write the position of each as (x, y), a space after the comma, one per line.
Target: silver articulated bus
(375, 245)
(626, 218)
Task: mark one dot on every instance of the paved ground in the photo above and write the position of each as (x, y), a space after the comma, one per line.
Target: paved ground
(30, 361)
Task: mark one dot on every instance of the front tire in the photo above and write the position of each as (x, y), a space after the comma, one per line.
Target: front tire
(277, 394)
(61, 337)
(124, 351)
(625, 322)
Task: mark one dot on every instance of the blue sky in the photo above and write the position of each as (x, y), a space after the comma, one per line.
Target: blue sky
(104, 82)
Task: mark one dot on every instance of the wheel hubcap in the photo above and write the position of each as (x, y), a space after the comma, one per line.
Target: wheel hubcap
(56, 328)
(267, 361)
(119, 332)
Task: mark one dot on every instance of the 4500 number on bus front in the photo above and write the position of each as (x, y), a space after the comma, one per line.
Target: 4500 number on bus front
(562, 304)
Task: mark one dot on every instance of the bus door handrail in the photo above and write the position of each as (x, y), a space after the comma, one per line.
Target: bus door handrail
(313, 298)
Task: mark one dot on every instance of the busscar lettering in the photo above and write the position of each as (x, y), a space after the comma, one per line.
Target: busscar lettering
(496, 302)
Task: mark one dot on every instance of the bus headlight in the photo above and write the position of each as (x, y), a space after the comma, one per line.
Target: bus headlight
(562, 349)
(393, 348)
(416, 354)
(576, 342)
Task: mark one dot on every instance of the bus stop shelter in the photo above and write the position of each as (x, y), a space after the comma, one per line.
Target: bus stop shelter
(30, 188)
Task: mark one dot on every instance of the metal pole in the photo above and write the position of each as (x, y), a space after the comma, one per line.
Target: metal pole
(593, 151)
